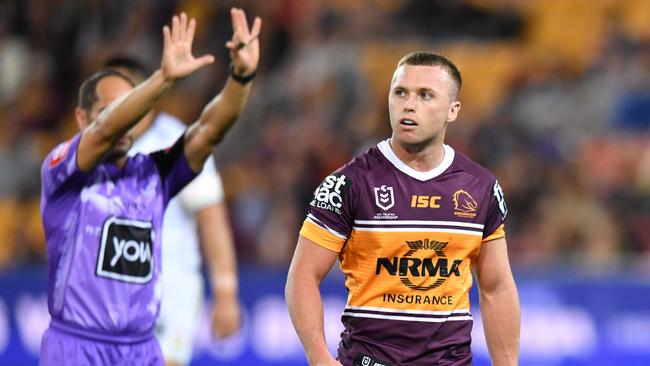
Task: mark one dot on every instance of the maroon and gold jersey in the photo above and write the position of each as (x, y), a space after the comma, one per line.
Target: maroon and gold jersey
(407, 242)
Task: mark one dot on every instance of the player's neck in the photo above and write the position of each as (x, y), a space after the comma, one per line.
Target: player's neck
(422, 158)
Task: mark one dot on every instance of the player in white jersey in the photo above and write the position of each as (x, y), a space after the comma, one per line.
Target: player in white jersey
(197, 215)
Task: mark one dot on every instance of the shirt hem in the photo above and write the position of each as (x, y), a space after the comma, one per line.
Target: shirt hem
(75, 330)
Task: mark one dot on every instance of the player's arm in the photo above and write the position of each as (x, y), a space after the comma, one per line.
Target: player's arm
(116, 119)
(222, 111)
(219, 253)
(311, 263)
(499, 303)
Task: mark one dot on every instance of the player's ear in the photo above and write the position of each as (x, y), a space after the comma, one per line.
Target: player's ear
(454, 108)
(82, 118)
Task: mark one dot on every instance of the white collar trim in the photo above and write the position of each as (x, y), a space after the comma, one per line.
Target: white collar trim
(388, 152)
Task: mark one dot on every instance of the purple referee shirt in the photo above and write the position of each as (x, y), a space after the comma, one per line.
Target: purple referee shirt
(102, 230)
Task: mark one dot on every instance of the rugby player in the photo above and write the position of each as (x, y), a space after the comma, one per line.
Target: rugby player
(409, 220)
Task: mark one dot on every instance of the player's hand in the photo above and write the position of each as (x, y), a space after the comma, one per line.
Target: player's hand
(177, 59)
(244, 45)
(226, 317)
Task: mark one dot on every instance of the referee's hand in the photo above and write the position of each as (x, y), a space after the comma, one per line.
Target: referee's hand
(177, 59)
(244, 45)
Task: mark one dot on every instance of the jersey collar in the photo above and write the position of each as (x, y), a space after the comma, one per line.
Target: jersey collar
(388, 152)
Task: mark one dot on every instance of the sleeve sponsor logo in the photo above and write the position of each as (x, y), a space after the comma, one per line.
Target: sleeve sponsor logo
(330, 194)
(501, 200)
(59, 154)
(126, 251)
(464, 204)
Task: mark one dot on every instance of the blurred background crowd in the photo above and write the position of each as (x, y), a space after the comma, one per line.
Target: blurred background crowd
(556, 102)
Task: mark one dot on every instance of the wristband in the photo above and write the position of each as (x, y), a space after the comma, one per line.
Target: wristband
(224, 282)
(245, 79)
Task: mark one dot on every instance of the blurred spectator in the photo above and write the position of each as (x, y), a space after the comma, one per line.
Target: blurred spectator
(556, 95)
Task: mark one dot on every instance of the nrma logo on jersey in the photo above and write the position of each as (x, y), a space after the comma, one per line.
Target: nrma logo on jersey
(329, 195)
(126, 251)
(410, 269)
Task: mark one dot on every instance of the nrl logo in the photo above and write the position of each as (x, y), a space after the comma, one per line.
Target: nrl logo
(384, 197)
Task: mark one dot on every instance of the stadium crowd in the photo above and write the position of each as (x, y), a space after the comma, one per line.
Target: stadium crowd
(556, 102)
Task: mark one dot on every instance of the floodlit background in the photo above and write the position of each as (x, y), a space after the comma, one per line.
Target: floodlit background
(556, 102)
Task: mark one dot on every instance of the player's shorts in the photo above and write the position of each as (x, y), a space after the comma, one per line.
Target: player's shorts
(181, 306)
(460, 355)
(59, 347)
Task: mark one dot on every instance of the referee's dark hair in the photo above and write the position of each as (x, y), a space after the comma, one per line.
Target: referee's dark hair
(88, 90)
(133, 66)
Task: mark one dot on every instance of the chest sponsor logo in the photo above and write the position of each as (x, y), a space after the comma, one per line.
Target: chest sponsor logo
(126, 251)
(384, 197)
(330, 194)
(415, 272)
(464, 204)
(425, 201)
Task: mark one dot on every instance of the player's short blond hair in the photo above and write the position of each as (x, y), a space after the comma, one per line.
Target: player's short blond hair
(426, 58)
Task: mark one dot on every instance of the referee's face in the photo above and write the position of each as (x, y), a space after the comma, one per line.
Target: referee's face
(108, 90)
(421, 102)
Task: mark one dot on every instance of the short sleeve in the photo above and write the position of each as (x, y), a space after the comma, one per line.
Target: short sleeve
(331, 212)
(60, 167)
(173, 167)
(496, 216)
(204, 191)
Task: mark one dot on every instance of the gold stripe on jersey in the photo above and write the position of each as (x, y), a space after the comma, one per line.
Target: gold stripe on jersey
(428, 269)
(321, 236)
(499, 233)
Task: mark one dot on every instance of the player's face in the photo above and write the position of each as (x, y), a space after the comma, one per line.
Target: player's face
(421, 103)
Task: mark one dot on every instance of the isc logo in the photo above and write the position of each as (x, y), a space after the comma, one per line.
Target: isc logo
(425, 201)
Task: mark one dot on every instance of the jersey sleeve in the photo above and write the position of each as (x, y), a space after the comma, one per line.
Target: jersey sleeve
(173, 167)
(497, 212)
(331, 212)
(59, 170)
(204, 191)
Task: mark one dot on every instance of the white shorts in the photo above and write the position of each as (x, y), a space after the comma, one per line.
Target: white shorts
(181, 306)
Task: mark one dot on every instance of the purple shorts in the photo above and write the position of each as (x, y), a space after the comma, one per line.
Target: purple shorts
(59, 347)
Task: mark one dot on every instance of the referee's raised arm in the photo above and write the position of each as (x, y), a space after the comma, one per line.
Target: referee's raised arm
(104, 125)
(222, 111)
